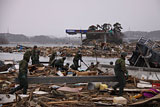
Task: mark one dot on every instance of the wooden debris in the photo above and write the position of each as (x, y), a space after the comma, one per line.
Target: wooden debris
(63, 102)
(40, 102)
(126, 90)
(49, 90)
(7, 98)
(157, 97)
(87, 73)
(102, 99)
(143, 84)
(40, 92)
(104, 104)
(68, 89)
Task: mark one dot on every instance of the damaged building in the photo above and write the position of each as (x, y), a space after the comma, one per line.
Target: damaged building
(100, 33)
(104, 33)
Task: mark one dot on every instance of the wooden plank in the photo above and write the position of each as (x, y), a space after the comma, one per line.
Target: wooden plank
(40, 102)
(7, 98)
(62, 102)
(102, 99)
(126, 90)
(105, 104)
(74, 79)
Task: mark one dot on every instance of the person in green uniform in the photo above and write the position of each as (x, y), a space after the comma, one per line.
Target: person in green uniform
(92, 67)
(76, 59)
(120, 72)
(35, 56)
(73, 67)
(22, 76)
(59, 63)
(52, 57)
(27, 54)
(66, 67)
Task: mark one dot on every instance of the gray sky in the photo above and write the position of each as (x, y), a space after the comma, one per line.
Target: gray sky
(52, 17)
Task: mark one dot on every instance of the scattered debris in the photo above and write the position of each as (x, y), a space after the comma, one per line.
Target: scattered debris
(68, 89)
(119, 100)
(143, 84)
(7, 98)
(48, 87)
(40, 92)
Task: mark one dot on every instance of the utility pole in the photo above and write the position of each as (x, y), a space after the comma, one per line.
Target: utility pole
(105, 38)
(81, 39)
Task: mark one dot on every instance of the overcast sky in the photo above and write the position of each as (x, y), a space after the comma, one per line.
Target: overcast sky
(52, 17)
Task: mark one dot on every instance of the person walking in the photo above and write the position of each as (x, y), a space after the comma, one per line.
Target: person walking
(22, 76)
(59, 63)
(120, 72)
(76, 59)
(35, 56)
(52, 58)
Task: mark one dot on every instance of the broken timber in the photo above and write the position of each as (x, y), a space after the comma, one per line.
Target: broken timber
(80, 79)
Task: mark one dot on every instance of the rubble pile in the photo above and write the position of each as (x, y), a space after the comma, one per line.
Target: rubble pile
(108, 51)
(66, 95)
(88, 94)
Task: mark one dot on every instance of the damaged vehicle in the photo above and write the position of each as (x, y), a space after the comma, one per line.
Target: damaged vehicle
(146, 54)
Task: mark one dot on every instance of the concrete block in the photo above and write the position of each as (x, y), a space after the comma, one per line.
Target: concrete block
(120, 100)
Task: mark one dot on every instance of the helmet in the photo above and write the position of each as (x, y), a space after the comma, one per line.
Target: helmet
(35, 46)
(64, 58)
(67, 64)
(111, 63)
(123, 54)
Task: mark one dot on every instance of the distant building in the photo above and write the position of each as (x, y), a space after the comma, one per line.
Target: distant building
(101, 34)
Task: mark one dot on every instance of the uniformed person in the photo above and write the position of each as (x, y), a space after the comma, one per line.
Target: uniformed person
(52, 57)
(22, 76)
(66, 67)
(35, 55)
(28, 54)
(92, 67)
(76, 59)
(73, 67)
(120, 71)
(59, 63)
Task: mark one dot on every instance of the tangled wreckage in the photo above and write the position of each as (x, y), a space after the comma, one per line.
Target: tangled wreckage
(104, 33)
(146, 54)
(50, 87)
(100, 33)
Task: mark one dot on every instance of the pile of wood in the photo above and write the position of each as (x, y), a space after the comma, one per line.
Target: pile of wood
(111, 51)
(67, 94)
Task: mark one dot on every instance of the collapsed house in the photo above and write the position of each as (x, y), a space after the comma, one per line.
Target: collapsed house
(146, 54)
(104, 33)
(100, 33)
